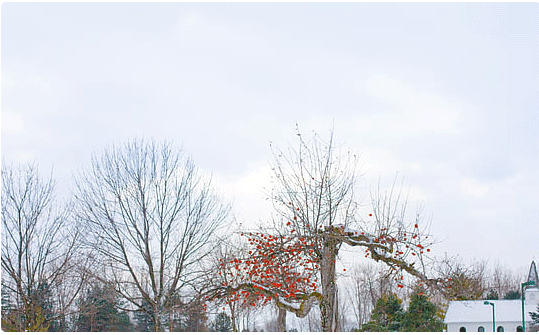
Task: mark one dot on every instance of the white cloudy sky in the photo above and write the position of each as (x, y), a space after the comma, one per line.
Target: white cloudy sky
(444, 94)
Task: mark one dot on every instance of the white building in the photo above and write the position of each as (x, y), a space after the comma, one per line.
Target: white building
(476, 316)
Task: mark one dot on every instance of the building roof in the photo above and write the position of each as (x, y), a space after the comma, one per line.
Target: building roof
(477, 311)
(532, 275)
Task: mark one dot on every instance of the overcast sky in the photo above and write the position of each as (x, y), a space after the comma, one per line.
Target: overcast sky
(446, 95)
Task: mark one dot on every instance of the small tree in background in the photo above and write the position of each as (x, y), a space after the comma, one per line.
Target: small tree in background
(44, 299)
(222, 323)
(98, 311)
(192, 318)
(535, 320)
(144, 318)
(492, 295)
(387, 315)
(503, 281)
(512, 295)
(421, 315)
(461, 281)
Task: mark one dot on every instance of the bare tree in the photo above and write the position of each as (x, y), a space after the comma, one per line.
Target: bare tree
(503, 281)
(462, 282)
(150, 218)
(38, 250)
(344, 311)
(313, 321)
(364, 287)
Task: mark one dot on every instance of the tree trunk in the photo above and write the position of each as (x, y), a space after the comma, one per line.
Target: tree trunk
(328, 307)
(281, 320)
(157, 317)
(157, 324)
(233, 317)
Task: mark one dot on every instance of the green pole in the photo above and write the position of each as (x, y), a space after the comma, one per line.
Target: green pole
(528, 283)
(493, 315)
(522, 300)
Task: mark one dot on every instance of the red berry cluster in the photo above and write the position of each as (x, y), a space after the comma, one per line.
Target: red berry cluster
(286, 266)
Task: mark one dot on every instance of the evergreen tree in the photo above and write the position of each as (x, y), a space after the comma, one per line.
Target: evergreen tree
(222, 323)
(38, 314)
(535, 320)
(492, 295)
(511, 295)
(194, 318)
(44, 300)
(387, 315)
(144, 319)
(421, 315)
(98, 311)
(8, 312)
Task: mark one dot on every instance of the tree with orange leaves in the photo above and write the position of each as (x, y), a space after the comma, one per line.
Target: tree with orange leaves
(314, 194)
(276, 268)
(314, 190)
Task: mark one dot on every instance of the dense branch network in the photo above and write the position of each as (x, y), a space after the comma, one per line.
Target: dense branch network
(285, 268)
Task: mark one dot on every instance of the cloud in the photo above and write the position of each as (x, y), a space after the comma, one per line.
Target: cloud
(191, 19)
(383, 162)
(248, 193)
(196, 35)
(8, 81)
(409, 111)
(254, 182)
(496, 188)
(493, 199)
(12, 123)
(25, 78)
(474, 188)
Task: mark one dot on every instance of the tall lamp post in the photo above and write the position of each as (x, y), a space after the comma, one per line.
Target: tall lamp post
(493, 317)
(522, 286)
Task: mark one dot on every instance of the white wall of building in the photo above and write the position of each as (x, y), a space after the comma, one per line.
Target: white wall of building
(474, 326)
